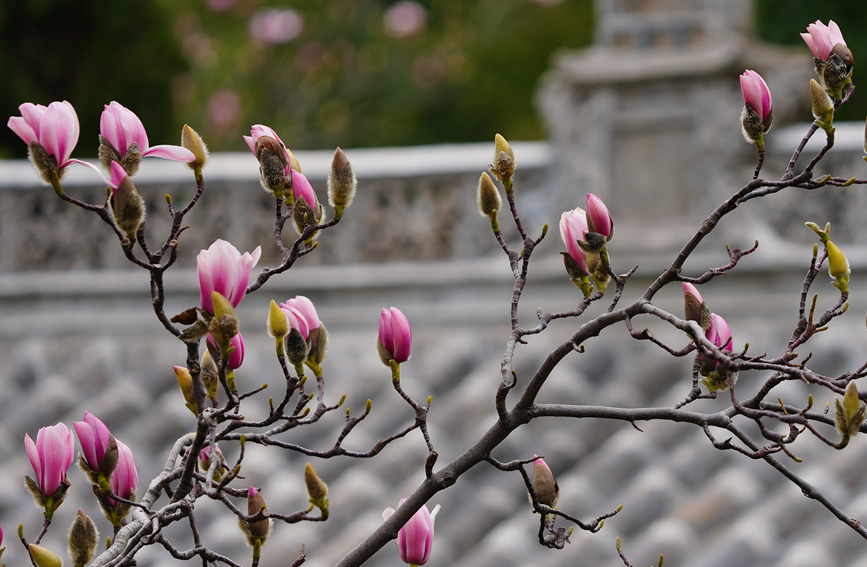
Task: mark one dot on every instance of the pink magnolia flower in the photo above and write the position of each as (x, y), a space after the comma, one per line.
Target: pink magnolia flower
(415, 538)
(302, 188)
(598, 217)
(301, 314)
(50, 456)
(94, 438)
(124, 479)
(122, 128)
(236, 359)
(573, 226)
(719, 333)
(395, 334)
(55, 128)
(756, 93)
(223, 269)
(821, 39)
(259, 130)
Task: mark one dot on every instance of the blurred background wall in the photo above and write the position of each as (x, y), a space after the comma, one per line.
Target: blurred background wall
(639, 104)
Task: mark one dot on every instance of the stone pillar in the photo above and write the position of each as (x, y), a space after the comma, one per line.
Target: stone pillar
(648, 116)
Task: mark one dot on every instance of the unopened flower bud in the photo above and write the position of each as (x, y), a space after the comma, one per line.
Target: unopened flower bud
(823, 106)
(128, 206)
(546, 488)
(318, 340)
(272, 163)
(185, 381)
(43, 557)
(257, 532)
(838, 68)
(317, 490)
(224, 325)
(296, 347)
(695, 309)
(304, 215)
(278, 324)
(341, 183)
(488, 198)
(504, 159)
(191, 140)
(850, 413)
(82, 540)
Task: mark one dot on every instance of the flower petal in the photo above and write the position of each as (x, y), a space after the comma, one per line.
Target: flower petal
(175, 153)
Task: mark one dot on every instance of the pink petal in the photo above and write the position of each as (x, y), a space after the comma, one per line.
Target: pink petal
(67, 129)
(87, 439)
(598, 213)
(808, 39)
(402, 335)
(752, 92)
(386, 331)
(33, 455)
(301, 187)
(307, 309)
(118, 174)
(296, 320)
(250, 143)
(32, 114)
(834, 33)
(20, 126)
(94, 168)
(175, 153)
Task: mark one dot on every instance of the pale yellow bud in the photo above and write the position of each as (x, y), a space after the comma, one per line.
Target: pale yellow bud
(191, 140)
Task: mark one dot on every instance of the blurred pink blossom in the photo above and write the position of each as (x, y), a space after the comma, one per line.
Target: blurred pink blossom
(273, 25)
(224, 110)
(221, 5)
(404, 19)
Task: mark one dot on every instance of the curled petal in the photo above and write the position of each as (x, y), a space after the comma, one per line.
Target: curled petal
(175, 153)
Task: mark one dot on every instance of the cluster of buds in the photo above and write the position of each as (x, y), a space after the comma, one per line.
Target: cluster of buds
(280, 174)
(109, 466)
(838, 265)
(586, 235)
(717, 331)
(415, 538)
(52, 132)
(832, 58)
(296, 327)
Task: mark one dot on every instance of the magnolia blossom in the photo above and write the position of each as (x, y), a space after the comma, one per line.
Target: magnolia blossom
(122, 128)
(302, 188)
(395, 334)
(757, 94)
(598, 217)
(50, 456)
(55, 128)
(237, 356)
(301, 314)
(124, 479)
(259, 130)
(573, 226)
(94, 438)
(223, 269)
(719, 333)
(415, 538)
(821, 39)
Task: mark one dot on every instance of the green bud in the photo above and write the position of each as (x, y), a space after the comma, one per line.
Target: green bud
(278, 323)
(341, 182)
(504, 159)
(129, 208)
(43, 557)
(191, 140)
(823, 106)
(488, 198)
(82, 540)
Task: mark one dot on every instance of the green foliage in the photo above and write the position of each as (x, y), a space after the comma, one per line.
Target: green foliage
(89, 53)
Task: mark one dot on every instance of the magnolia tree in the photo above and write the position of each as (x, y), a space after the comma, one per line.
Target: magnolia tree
(761, 427)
